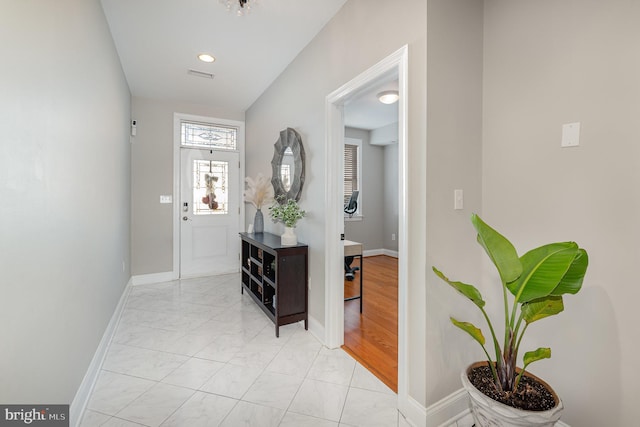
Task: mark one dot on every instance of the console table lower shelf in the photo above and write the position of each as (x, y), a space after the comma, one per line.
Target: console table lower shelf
(276, 277)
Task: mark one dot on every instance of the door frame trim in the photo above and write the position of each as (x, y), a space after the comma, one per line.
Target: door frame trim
(334, 283)
(177, 118)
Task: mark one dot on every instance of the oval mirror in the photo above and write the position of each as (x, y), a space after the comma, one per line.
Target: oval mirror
(288, 166)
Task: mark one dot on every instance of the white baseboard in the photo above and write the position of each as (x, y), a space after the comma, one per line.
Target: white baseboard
(91, 376)
(147, 279)
(447, 411)
(317, 330)
(414, 413)
(376, 252)
(389, 252)
(372, 252)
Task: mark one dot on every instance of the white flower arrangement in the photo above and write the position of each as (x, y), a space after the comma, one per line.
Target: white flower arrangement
(259, 191)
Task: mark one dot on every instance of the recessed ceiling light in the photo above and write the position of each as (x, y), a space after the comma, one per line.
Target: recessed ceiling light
(205, 57)
(388, 96)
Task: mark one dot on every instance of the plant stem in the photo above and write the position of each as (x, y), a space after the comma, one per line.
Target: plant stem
(519, 377)
(513, 313)
(496, 346)
(493, 370)
(520, 337)
(506, 314)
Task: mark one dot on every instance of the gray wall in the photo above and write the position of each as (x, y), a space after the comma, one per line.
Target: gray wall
(453, 161)
(64, 186)
(369, 229)
(380, 200)
(554, 62)
(348, 45)
(152, 175)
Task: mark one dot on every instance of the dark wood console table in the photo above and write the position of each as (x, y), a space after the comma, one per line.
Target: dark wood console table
(276, 277)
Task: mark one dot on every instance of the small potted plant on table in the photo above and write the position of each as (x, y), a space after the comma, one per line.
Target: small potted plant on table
(288, 213)
(500, 393)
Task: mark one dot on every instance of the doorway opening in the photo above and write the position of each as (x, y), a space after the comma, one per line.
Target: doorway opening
(371, 174)
(393, 67)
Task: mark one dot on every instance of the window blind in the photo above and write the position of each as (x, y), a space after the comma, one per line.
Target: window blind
(350, 170)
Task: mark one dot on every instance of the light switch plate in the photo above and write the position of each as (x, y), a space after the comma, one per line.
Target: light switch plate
(570, 135)
(166, 199)
(458, 200)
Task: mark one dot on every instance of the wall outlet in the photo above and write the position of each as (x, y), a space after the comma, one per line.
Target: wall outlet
(393, 237)
(123, 266)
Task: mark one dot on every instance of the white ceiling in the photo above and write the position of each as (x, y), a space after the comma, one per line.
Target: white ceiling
(365, 111)
(158, 40)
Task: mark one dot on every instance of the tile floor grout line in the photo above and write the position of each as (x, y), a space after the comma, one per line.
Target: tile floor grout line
(228, 413)
(254, 330)
(297, 391)
(178, 408)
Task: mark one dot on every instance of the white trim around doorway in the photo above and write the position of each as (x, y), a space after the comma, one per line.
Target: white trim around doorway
(396, 63)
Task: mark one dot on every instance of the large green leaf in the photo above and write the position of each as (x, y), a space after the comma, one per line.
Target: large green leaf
(468, 291)
(469, 328)
(541, 308)
(539, 354)
(543, 270)
(572, 280)
(500, 250)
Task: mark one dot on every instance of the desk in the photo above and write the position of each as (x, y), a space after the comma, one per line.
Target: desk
(354, 249)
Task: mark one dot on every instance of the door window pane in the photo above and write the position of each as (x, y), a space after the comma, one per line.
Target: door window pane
(210, 187)
(203, 135)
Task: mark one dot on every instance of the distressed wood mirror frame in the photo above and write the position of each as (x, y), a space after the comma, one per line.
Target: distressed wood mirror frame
(289, 138)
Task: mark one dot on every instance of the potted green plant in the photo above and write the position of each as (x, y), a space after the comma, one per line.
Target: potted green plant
(288, 213)
(500, 393)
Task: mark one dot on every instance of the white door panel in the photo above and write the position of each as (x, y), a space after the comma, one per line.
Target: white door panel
(210, 216)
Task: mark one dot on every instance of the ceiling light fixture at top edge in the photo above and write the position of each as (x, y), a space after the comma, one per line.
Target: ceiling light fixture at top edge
(388, 96)
(206, 57)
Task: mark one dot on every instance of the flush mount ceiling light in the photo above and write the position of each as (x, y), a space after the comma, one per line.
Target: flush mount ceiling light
(206, 57)
(242, 7)
(388, 96)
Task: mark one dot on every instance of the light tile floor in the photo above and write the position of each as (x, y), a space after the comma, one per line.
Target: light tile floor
(197, 352)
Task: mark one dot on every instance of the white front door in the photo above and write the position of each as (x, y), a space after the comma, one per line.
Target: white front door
(209, 212)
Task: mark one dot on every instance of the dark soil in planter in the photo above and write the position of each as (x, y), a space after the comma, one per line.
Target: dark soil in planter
(531, 395)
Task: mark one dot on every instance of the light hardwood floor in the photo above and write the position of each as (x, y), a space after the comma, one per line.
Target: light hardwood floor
(372, 337)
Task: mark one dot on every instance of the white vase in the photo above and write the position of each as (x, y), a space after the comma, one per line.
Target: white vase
(491, 413)
(289, 237)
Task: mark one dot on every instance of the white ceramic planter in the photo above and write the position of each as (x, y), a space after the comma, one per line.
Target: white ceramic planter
(289, 237)
(491, 413)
